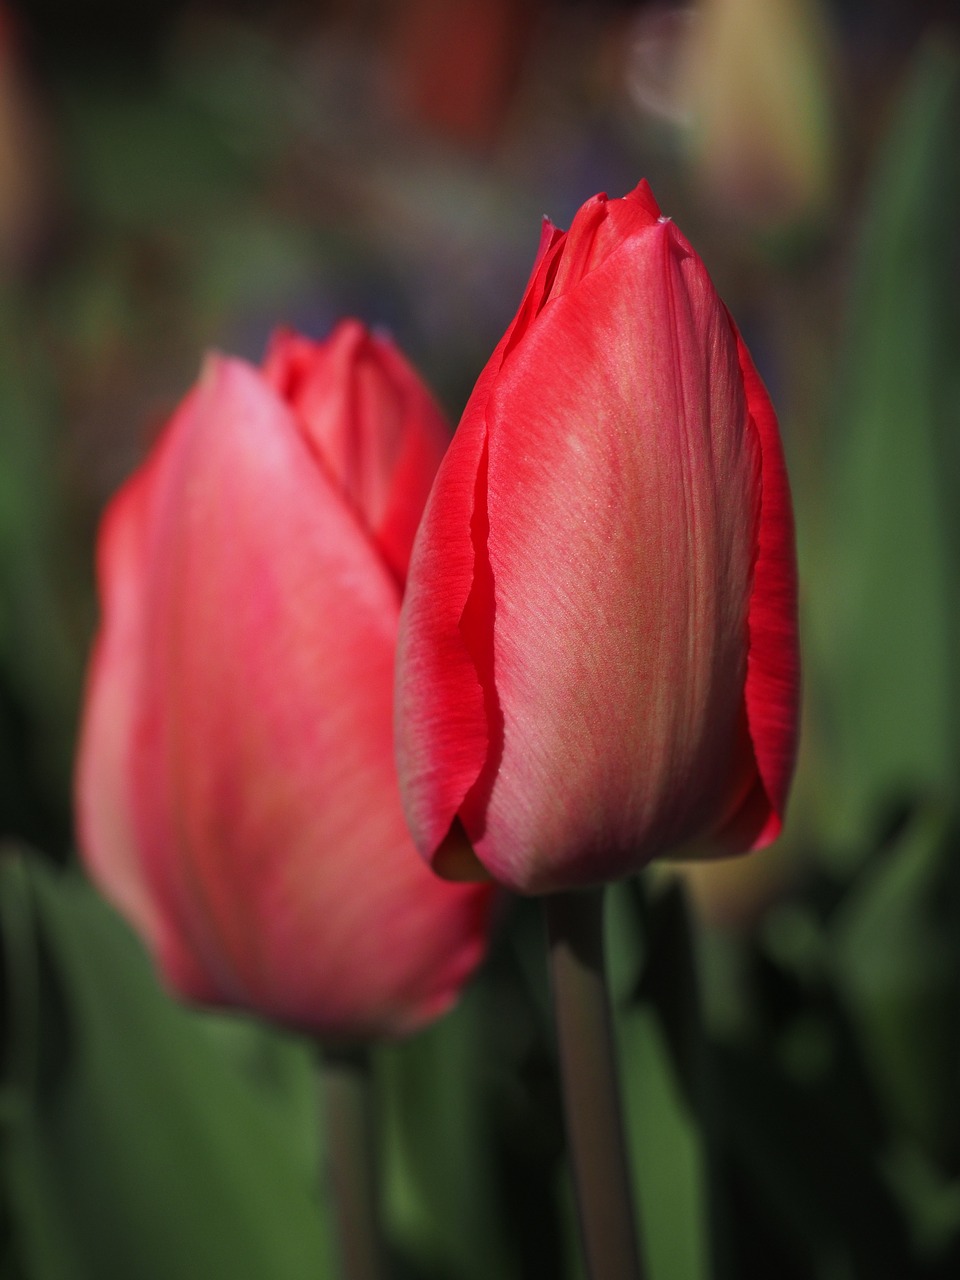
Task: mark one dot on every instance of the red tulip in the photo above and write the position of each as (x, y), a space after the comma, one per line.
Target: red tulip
(598, 656)
(236, 790)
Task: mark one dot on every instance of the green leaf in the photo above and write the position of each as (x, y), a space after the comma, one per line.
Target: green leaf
(442, 1196)
(144, 158)
(898, 968)
(40, 656)
(892, 619)
(811, 1168)
(660, 1066)
(135, 1144)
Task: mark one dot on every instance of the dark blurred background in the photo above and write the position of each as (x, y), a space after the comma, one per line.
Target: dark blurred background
(181, 176)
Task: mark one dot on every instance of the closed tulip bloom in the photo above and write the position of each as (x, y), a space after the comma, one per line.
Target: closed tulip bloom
(236, 791)
(598, 657)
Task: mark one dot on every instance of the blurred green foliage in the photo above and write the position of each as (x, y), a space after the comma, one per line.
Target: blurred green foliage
(895, 607)
(39, 656)
(789, 1080)
(135, 1141)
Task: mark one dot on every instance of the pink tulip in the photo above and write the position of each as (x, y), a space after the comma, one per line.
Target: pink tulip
(236, 790)
(598, 656)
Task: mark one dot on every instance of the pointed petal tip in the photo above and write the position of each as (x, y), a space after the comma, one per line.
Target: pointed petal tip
(224, 375)
(769, 833)
(349, 334)
(643, 195)
(209, 371)
(549, 235)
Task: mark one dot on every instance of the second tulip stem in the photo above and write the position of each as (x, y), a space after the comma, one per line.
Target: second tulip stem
(590, 1089)
(351, 1162)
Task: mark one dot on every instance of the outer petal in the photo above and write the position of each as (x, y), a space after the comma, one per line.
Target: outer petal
(104, 801)
(265, 802)
(447, 726)
(623, 498)
(773, 662)
(598, 230)
(442, 733)
(373, 424)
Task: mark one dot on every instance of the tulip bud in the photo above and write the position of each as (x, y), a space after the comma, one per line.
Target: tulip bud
(598, 658)
(236, 790)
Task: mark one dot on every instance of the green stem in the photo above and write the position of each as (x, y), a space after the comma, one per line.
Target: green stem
(590, 1091)
(351, 1164)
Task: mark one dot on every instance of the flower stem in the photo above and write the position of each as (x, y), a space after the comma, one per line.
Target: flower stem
(351, 1163)
(590, 1091)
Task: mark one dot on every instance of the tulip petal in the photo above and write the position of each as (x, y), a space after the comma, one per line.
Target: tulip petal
(372, 422)
(419, 451)
(441, 731)
(598, 230)
(447, 725)
(773, 660)
(270, 826)
(103, 811)
(105, 782)
(621, 463)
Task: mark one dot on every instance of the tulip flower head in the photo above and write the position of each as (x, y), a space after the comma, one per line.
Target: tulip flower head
(598, 655)
(236, 790)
